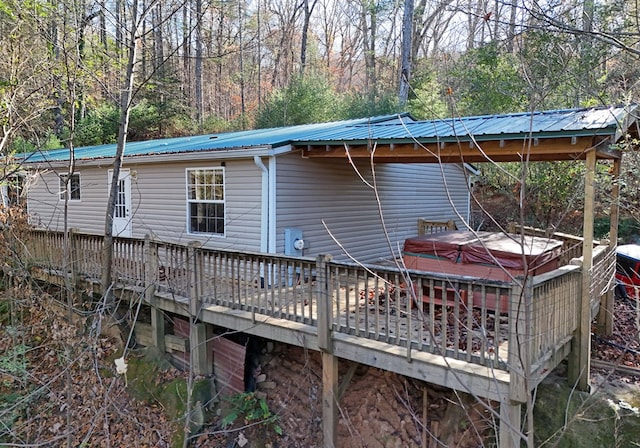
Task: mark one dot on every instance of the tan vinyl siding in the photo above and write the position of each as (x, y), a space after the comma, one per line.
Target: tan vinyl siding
(314, 190)
(159, 199)
(158, 203)
(47, 211)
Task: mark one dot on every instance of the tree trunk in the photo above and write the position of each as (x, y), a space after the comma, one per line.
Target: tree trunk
(186, 51)
(198, 66)
(512, 25)
(405, 66)
(308, 10)
(123, 127)
(368, 20)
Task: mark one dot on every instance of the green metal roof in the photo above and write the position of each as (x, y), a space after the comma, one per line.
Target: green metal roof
(555, 123)
(389, 128)
(235, 141)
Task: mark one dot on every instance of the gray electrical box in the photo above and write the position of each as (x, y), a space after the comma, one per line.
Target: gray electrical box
(293, 242)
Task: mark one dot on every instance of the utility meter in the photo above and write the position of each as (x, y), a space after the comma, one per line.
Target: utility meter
(298, 244)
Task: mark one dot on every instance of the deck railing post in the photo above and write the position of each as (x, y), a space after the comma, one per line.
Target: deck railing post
(150, 279)
(193, 276)
(325, 322)
(518, 360)
(518, 339)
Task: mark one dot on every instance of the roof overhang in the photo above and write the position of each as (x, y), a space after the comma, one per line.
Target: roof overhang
(467, 150)
(192, 156)
(532, 136)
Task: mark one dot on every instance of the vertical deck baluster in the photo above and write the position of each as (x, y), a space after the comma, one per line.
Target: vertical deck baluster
(310, 294)
(272, 284)
(415, 301)
(456, 317)
(292, 308)
(470, 321)
(246, 280)
(483, 324)
(348, 299)
(337, 291)
(262, 294)
(433, 343)
(376, 309)
(280, 291)
(444, 330)
(357, 307)
(409, 321)
(397, 306)
(387, 307)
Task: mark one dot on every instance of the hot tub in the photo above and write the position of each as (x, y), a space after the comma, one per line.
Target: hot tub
(487, 255)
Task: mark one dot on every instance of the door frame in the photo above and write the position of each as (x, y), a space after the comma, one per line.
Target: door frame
(122, 224)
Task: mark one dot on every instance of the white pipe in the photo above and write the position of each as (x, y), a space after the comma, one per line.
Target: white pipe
(272, 205)
(264, 209)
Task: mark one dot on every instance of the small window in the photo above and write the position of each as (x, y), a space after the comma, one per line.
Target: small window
(72, 187)
(205, 201)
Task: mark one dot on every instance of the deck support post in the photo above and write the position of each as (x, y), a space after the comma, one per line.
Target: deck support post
(605, 314)
(579, 359)
(150, 278)
(201, 358)
(329, 399)
(330, 384)
(510, 420)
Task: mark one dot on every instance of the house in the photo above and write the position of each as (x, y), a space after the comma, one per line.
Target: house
(251, 191)
(262, 189)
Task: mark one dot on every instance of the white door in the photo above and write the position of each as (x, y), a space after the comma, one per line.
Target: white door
(122, 212)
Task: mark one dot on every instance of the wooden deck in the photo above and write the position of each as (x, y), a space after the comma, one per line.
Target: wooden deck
(367, 314)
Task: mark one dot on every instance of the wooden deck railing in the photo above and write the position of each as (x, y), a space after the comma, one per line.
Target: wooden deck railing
(571, 244)
(392, 305)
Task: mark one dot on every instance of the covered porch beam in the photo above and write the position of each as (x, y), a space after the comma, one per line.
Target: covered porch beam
(538, 149)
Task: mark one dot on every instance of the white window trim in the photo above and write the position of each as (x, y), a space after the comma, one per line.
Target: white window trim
(61, 193)
(189, 201)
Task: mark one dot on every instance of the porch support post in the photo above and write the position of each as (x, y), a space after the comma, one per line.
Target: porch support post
(329, 399)
(510, 420)
(579, 360)
(150, 279)
(605, 314)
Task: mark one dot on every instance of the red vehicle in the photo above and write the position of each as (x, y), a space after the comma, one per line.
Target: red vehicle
(628, 271)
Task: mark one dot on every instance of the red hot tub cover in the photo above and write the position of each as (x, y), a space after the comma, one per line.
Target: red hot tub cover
(511, 251)
(506, 250)
(441, 244)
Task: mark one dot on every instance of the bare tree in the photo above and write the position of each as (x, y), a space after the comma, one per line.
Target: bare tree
(308, 10)
(406, 58)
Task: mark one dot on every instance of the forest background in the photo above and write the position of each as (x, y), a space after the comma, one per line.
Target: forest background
(208, 66)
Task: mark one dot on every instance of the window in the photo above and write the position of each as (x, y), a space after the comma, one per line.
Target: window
(72, 187)
(205, 201)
